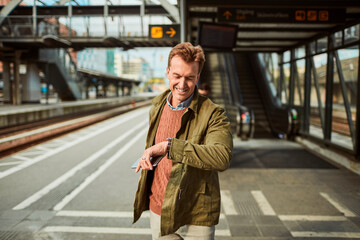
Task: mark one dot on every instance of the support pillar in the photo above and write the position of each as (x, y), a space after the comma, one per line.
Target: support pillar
(7, 82)
(97, 91)
(292, 79)
(117, 89)
(31, 86)
(357, 139)
(329, 89)
(87, 88)
(307, 91)
(16, 93)
(105, 87)
(183, 21)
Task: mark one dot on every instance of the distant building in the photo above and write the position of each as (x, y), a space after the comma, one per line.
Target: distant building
(135, 68)
(4, 2)
(93, 59)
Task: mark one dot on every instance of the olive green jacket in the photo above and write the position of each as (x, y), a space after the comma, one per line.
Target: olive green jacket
(202, 147)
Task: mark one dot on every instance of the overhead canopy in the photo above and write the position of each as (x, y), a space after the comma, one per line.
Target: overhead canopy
(262, 25)
(274, 25)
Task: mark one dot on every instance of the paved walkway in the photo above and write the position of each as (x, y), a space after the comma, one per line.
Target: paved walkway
(276, 189)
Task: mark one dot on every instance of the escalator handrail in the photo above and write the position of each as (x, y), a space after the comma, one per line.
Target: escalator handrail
(273, 108)
(235, 94)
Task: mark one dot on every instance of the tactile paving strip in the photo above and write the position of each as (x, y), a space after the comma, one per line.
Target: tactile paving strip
(349, 200)
(12, 235)
(245, 203)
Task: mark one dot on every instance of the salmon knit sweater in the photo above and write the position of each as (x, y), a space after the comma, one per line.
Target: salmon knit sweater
(169, 124)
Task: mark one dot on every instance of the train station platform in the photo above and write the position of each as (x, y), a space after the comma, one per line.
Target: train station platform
(26, 124)
(11, 115)
(274, 189)
(277, 189)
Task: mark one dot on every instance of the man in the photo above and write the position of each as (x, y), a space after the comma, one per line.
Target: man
(204, 89)
(194, 136)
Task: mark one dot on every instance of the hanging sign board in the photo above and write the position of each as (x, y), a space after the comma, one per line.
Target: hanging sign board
(282, 15)
(171, 32)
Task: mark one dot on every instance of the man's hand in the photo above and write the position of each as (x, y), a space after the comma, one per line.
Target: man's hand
(159, 149)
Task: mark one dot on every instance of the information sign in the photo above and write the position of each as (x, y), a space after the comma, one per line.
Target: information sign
(260, 15)
(164, 32)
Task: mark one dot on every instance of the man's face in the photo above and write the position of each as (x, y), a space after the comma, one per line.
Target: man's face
(182, 77)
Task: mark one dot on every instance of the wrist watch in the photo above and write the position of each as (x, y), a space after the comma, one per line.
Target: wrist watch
(168, 146)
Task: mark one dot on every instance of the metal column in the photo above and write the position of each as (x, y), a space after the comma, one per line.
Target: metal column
(307, 91)
(117, 89)
(183, 20)
(7, 92)
(31, 85)
(357, 135)
(34, 16)
(329, 90)
(106, 15)
(279, 87)
(16, 97)
(69, 19)
(292, 78)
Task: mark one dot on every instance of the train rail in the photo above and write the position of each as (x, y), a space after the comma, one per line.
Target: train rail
(339, 124)
(19, 137)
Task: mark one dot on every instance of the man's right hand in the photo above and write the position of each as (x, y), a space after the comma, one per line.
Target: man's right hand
(159, 149)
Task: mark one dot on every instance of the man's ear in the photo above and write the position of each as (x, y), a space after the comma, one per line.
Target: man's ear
(167, 72)
(198, 77)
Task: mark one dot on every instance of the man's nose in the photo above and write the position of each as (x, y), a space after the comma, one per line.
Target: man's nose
(182, 82)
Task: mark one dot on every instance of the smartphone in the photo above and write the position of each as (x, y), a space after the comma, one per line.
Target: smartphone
(153, 160)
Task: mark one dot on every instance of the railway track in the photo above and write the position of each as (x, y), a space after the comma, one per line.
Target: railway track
(339, 125)
(19, 137)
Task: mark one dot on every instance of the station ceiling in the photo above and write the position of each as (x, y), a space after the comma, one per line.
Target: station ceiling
(262, 25)
(274, 25)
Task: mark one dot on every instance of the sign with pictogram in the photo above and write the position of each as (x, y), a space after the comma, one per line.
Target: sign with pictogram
(281, 15)
(300, 15)
(312, 15)
(324, 16)
(165, 32)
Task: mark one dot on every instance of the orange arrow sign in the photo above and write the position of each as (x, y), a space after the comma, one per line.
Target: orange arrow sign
(172, 32)
(227, 14)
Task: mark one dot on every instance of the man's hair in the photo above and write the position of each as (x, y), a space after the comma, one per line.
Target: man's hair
(188, 53)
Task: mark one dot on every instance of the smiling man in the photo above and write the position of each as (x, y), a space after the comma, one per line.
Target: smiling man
(192, 133)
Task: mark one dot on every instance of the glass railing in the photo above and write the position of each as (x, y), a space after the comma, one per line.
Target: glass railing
(79, 26)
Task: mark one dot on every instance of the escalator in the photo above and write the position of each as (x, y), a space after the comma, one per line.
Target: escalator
(218, 74)
(238, 83)
(251, 96)
(61, 72)
(272, 118)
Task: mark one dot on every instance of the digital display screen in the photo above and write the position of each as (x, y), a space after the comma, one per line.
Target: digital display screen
(211, 35)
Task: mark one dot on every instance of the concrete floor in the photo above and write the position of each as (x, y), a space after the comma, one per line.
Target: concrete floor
(274, 189)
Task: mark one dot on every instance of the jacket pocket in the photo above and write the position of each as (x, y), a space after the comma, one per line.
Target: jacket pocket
(202, 188)
(204, 197)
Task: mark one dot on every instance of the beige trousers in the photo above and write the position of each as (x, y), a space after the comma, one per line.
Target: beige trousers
(187, 232)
